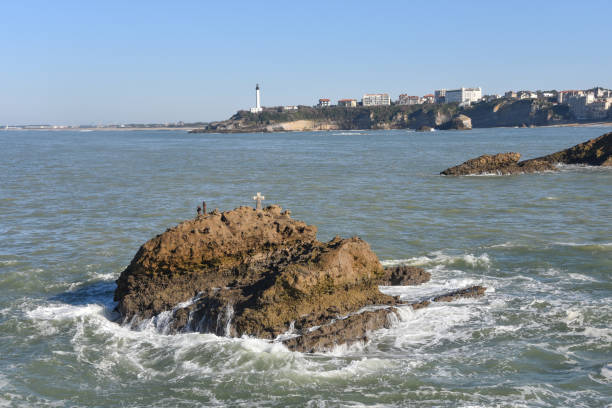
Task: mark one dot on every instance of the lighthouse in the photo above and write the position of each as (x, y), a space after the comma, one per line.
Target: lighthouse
(257, 107)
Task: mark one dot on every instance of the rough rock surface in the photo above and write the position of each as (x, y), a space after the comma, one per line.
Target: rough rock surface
(403, 275)
(484, 164)
(460, 122)
(594, 152)
(261, 269)
(356, 327)
(260, 273)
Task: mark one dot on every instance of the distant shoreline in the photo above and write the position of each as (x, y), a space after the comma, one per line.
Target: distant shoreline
(201, 130)
(123, 129)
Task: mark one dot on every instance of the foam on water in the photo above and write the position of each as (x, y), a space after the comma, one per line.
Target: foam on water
(440, 258)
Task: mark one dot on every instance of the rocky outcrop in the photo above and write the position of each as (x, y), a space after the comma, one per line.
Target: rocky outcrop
(260, 273)
(460, 122)
(356, 327)
(403, 275)
(484, 164)
(594, 152)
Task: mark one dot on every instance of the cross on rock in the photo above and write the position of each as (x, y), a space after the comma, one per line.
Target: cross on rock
(258, 198)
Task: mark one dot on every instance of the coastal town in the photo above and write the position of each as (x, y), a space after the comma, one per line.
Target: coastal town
(587, 104)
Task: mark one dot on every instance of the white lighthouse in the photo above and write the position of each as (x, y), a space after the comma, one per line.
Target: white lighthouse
(257, 107)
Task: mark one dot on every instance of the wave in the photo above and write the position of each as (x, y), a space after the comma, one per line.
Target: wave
(439, 258)
(589, 246)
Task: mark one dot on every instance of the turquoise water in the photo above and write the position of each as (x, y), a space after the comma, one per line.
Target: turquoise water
(76, 206)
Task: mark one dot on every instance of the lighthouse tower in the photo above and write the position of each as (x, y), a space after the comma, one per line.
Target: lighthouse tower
(257, 107)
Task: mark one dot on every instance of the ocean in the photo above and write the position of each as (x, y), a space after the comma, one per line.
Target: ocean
(76, 206)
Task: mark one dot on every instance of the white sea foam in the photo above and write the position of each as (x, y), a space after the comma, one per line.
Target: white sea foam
(4, 382)
(63, 312)
(598, 333)
(581, 277)
(508, 244)
(587, 245)
(103, 276)
(438, 257)
(606, 372)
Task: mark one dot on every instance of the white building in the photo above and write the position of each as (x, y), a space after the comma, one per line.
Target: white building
(376, 99)
(579, 105)
(440, 96)
(464, 96)
(599, 109)
(527, 95)
(563, 96)
(347, 103)
(492, 97)
(429, 98)
(257, 107)
(405, 99)
(323, 103)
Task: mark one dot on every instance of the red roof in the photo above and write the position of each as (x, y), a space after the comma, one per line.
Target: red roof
(346, 100)
(323, 100)
(428, 96)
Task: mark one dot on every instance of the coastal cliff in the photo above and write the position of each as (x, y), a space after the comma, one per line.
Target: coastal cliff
(260, 273)
(501, 112)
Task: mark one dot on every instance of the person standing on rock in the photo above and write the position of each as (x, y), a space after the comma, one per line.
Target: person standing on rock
(204, 207)
(199, 210)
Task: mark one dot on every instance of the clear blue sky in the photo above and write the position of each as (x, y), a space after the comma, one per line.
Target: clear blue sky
(80, 62)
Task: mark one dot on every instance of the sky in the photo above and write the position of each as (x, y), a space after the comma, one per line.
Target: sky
(105, 62)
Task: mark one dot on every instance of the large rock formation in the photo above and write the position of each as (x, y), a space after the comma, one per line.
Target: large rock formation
(260, 273)
(461, 122)
(594, 152)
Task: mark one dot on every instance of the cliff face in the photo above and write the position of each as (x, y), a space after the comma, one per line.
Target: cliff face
(261, 273)
(509, 113)
(484, 114)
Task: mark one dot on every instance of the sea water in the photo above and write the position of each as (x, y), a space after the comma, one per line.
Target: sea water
(75, 207)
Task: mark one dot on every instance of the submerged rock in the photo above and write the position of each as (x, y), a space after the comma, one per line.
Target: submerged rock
(594, 152)
(260, 273)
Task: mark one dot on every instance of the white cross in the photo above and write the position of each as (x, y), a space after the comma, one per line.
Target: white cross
(258, 198)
